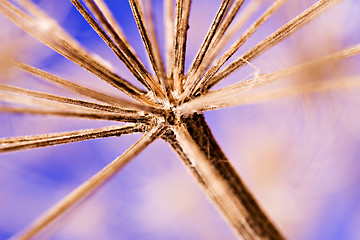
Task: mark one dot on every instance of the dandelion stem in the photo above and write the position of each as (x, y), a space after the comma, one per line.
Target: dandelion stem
(195, 145)
(171, 106)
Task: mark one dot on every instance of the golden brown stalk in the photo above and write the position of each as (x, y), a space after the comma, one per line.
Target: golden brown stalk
(74, 114)
(147, 32)
(30, 142)
(169, 37)
(182, 11)
(202, 156)
(113, 23)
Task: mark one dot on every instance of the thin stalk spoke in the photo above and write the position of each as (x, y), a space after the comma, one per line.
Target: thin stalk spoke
(216, 102)
(207, 60)
(28, 101)
(61, 99)
(87, 92)
(75, 114)
(114, 25)
(169, 37)
(110, 28)
(147, 32)
(214, 28)
(197, 83)
(91, 186)
(29, 138)
(11, 95)
(45, 140)
(157, 53)
(182, 11)
(222, 39)
(283, 32)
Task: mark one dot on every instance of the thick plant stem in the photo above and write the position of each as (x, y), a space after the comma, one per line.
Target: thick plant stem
(220, 181)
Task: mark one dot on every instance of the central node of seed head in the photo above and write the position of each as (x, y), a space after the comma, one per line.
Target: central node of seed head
(172, 115)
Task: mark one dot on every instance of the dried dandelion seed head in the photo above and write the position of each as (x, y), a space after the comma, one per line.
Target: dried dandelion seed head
(165, 109)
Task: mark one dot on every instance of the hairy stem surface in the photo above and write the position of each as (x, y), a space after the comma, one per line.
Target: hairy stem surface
(196, 146)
